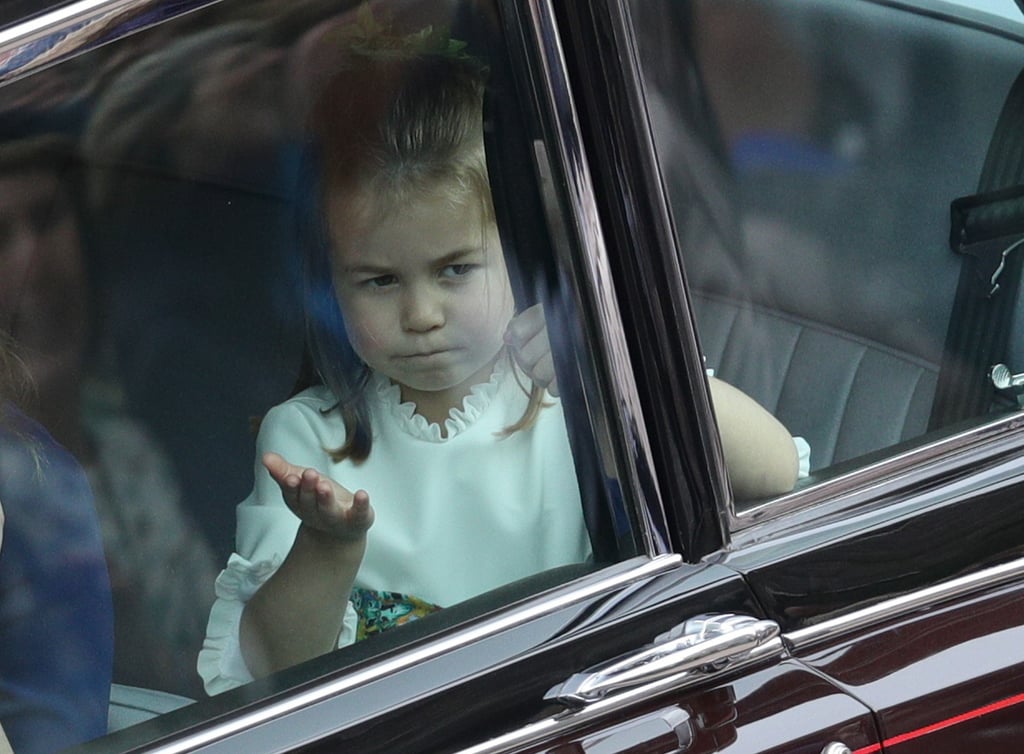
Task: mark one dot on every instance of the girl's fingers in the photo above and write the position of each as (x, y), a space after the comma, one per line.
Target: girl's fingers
(535, 359)
(527, 338)
(362, 513)
(525, 326)
(281, 470)
(348, 520)
(276, 465)
(319, 501)
(308, 496)
(532, 352)
(359, 514)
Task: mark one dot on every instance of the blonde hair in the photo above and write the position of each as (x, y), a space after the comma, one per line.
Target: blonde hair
(394, 122)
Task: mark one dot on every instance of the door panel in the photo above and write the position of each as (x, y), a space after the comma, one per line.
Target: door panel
(915, 539)
(914, 609)
(944, 680)
(474, 691)
(765, 705)
(780, 708)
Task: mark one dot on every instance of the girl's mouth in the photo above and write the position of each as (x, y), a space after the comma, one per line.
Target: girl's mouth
(427, 354)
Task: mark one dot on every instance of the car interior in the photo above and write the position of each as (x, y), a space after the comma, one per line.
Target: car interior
(831, 307)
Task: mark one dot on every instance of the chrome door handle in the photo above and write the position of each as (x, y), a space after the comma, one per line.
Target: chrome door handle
(836, 748)
(705, 644)
(1004, 380)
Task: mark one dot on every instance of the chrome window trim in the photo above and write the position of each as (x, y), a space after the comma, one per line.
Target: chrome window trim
(76, 29)
(960, 13)
(613, 344)
(609, 579)
(880, 481)
(835, 628)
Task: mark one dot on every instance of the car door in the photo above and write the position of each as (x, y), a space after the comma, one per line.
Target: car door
(894, 576)
(905, 597)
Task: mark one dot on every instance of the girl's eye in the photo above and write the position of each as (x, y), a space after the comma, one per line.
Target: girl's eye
(457, 270)
(381, 281)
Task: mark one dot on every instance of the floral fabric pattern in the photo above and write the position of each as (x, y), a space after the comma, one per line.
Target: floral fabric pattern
(379, 611)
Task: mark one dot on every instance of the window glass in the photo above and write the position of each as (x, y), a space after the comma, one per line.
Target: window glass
(811, 152)
(249, 257)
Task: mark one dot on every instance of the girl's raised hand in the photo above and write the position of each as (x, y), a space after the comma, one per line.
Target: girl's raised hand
(320, 502)
(527, 338)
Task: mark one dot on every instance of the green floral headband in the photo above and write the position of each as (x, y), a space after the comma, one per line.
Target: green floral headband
(374, 36)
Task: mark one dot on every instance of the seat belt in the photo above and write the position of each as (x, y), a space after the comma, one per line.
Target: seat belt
(987, 230)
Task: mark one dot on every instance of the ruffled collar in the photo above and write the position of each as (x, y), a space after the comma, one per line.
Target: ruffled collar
(459, 418)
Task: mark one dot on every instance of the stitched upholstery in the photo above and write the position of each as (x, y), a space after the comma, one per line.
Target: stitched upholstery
(845, 395)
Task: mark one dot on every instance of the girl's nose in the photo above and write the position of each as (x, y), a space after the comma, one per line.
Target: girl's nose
(422, 310)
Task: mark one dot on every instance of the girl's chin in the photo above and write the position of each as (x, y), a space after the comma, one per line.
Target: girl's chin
(450, 391)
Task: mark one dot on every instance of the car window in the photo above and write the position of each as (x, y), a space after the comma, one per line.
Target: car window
(270, 254)
(818, 158)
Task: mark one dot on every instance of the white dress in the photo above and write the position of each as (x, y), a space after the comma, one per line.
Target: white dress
(456, 515)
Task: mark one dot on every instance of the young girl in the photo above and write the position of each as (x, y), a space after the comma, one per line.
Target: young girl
(431, 465)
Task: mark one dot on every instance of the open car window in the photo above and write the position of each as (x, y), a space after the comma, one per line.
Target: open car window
(160, 301)
(835, 171)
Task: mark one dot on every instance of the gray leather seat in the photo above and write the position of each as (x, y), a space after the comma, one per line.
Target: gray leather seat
(845, 394)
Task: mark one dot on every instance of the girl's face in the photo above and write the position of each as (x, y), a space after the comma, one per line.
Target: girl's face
(425, 295)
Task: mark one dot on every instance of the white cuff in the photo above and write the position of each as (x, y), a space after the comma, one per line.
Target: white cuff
(221, 664)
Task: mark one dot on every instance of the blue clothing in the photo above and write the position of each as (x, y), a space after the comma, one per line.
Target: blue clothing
(56, 619)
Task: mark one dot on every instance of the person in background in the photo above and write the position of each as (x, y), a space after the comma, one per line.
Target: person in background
(56, 620)
(51, 301)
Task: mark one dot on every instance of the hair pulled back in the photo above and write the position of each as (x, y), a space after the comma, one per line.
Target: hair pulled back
(399, 119)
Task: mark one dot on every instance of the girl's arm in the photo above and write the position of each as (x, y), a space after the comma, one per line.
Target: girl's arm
(297, 614)
(760, 455)
(759, 452)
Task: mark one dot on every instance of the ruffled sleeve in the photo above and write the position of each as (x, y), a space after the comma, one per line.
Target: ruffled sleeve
(220, 660)
(221, 664)
(803, 452)
(265, 534)
(266, 529)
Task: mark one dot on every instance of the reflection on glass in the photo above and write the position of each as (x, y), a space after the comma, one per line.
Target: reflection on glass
(811, 154)
(48, 306)
(55, 610)
(193, 215)
(431, 465)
